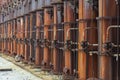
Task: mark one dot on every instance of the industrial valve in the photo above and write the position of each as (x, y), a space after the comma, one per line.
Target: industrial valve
(13, 37)
(108, 46)
(32, 59)
(45, 42)
(37, 42)
(68, 44)
(54, 43)
(10, 39)
(31, 41)
(21, 40)
(84, 45)
(16, 40)
(25, 40)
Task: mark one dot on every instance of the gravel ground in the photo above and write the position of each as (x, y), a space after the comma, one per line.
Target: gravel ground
(16, 74)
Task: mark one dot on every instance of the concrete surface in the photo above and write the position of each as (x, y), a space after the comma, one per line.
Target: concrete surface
(17, 73)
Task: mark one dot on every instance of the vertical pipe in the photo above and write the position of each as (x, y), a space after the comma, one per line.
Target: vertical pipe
(31, 27)
(18, 36)
(9, 32)
(105, 10)
(31, 15)
(14, 33)
(37, 56)
(32, 35)
(26, 36)
(47, 22)
(87, 16)
(68, 17)
(3, 38)
(55, 57)
(8, 26)
(22, 36)
(81, 54)
(11, 41)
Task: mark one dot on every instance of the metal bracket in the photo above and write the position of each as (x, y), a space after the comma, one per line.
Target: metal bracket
(66, 71)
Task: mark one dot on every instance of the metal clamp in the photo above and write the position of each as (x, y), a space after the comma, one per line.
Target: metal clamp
(38, 42)
(21, 40)
(25, 40)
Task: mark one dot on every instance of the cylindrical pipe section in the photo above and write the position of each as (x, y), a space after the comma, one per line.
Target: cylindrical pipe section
(68, 17)
(14, 34)
(47, 22)
(87, 26)
(105, 10)
(27, 54)
(38, 54)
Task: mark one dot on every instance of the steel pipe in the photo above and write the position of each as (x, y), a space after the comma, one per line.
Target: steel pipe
(105, 69)
(88, 68)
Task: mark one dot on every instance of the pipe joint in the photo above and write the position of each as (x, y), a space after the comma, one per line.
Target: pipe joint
(108, 46)
(68, 45)
(54, 43)
(84, 45)
(45, 42)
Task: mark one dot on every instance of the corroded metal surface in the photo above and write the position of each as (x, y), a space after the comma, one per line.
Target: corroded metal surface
(69, 37)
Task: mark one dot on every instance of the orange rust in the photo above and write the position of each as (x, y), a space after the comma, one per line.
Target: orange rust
(68, 17)
(31, 26)
(22, 36)
(14, 33)
(55, 56)
(26, 36)
(38, 54)
(105, 68)
(47, 21)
